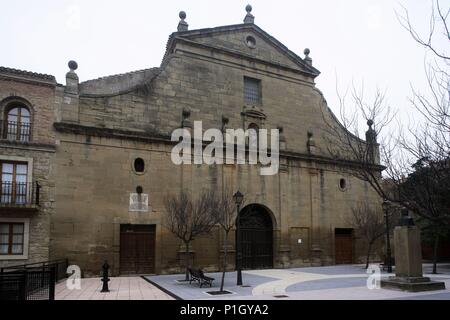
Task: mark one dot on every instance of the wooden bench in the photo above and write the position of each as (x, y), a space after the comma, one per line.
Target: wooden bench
(199, 276)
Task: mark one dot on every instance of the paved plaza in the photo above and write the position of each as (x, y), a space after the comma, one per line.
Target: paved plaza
(121, 288)
(347, 282)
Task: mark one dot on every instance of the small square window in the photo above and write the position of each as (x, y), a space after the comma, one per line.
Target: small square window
(252, 91)
(11, 238)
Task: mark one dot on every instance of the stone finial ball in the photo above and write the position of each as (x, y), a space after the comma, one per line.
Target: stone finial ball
(370, 123)
(248, 8)
(307, 51)
(73, 65)
(182, 15)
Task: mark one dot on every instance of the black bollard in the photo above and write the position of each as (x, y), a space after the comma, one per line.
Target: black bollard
(105, 278)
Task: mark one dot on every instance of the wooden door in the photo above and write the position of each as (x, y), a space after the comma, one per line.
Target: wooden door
(137, 249)
(344, 246)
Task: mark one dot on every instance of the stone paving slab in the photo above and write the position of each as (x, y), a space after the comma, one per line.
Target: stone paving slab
(187, 291)
(312, 283)
(327, 284)
(121, 288)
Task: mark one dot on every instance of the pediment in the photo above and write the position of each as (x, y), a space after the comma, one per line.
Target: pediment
(252, 41)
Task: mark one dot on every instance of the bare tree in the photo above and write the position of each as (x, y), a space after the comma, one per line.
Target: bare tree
(370, 224)
(428, 145)
(416, 160)
(188, 219)
(438, 16)
(400, 152)
(345, 141)
(226, 214)
(432, 139)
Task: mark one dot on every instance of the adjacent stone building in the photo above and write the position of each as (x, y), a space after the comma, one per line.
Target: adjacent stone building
(112, 167)
(27, 148)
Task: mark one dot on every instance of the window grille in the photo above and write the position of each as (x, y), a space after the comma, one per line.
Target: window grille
(252, 91)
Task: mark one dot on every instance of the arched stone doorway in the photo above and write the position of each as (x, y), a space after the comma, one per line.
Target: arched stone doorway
(256, 234)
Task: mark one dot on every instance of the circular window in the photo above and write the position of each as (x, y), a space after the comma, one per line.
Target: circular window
(342, 184)
(139, 165)
(250, 41)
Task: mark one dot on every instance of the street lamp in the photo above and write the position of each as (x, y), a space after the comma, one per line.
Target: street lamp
(386, 204)
(238, 198)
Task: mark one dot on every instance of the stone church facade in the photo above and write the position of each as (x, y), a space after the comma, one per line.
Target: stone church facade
(110, 151)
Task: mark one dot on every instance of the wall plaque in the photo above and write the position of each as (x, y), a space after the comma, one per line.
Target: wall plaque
(138, 202)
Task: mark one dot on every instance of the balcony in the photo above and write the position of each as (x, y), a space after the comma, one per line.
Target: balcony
(17, 131)
(19, 196)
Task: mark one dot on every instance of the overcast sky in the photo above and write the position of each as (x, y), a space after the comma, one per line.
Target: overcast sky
(351, 39)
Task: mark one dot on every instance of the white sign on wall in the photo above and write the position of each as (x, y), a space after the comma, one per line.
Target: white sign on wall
(138, 202)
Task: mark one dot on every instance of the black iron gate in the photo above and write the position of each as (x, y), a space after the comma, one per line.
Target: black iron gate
(34, 281)
(256, 238)
(30, 284)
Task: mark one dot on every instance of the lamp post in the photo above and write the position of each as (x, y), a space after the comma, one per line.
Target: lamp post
(238, 197)
(386, 205)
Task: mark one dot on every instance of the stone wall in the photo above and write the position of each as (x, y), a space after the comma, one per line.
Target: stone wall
(41, 100)
(94, 179)
(38, 95)
(39, 238)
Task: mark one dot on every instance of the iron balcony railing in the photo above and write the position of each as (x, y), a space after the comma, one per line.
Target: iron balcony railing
(14, 193)
(18, 131)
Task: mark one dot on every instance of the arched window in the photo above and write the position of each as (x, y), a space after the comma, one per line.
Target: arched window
(253, 134)
(17, 123)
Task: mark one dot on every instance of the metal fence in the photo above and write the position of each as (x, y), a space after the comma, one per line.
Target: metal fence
(34, 281)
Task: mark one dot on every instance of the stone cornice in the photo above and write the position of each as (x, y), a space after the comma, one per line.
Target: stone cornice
(326, 160)
(30, 146)
(111, 133)
(162, 138)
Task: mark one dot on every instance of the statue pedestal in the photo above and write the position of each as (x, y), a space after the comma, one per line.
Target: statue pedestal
(412, 284)
(408, 263)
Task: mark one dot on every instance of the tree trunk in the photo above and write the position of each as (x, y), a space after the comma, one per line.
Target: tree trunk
(435, 253)
(225, 252)
(187, 261)
(369, 250)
